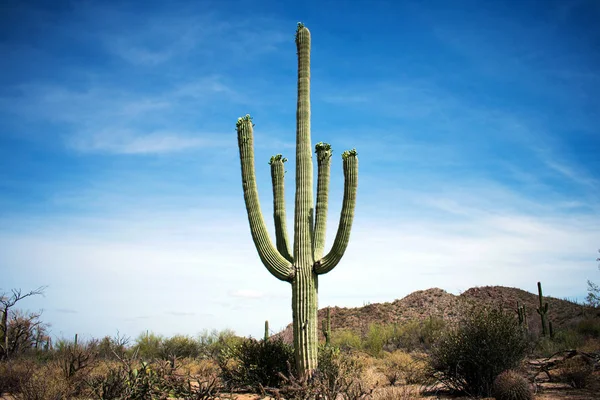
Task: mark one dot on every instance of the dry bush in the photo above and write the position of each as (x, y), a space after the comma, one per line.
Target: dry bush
(46, 383)
(13, 373)
(401, 367)
(591, 345)
(576, 371)
(397, 393)
(203, 369)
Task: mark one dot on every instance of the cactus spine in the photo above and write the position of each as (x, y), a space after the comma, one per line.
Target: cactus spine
(301, 264)
(326, 327)
(542, 310)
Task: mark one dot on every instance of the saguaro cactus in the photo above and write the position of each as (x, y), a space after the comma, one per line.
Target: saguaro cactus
(266, 338)
(326, 327)
(304, 262)
(542, 310)
(522, 313)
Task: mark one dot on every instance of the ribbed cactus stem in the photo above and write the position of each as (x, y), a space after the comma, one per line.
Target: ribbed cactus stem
(275, 263)
(300, 264)
(542, 310)
(342, 238)
(279, 215)
(323, 151)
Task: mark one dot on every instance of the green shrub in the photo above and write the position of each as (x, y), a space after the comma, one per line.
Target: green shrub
(346, 339)
(484, 343)
(414, 335)
(212, 343)
(589, 327)
(566, 339)
(376, 338)
(509, 385)
(179, 346)
(148, 346)
(254, 363)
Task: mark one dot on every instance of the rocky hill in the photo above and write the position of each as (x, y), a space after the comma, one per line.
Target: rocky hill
(436, 302)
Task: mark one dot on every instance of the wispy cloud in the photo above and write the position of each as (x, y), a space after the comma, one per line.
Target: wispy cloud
(129, 142)
(66, 311)
(248, 294)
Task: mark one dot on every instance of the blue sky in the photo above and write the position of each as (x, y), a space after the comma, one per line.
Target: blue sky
(477, 127)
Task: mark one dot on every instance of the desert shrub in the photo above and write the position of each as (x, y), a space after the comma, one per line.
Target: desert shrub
(413, 335)
(589, 327)
(339, 376)
(564, 339)
(576, 371)
(376, 338)
(396, 393)
(401, 367)
(179, 346)
(509, 385)
(484, 343)
(201, 368)
(255, 364)
(112, 347)
(74, 356)
(47, 382)
(13, 373)
(346, 339)
(212, 343)
(148, 346)
(135, 380)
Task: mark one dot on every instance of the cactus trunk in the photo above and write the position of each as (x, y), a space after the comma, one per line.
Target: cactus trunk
(301, 265)
(304, 320)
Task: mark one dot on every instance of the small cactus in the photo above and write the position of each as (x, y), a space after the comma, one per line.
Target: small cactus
(509, 385)
(543, 310)
(522, 313)
(326, 327)
(266, 330)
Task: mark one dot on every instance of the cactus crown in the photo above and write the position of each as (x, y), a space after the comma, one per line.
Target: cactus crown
(277, 157)
(349, 153)
(298, 29)
(323, 150)
(243, 119)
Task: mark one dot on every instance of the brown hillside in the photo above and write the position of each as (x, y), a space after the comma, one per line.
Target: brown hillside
(435, 302)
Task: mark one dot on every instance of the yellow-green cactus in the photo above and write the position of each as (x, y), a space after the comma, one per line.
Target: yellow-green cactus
(301, 263)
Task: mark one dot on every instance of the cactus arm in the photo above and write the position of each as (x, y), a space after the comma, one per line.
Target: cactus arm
(275, 263)
(323, 151)
(281, 236)
(342, 237)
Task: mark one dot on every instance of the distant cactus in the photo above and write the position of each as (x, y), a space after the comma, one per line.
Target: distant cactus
(509, 385)
(326, 327)
(543, 310)
(522, 313)
(302, 263)
(266, 330)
